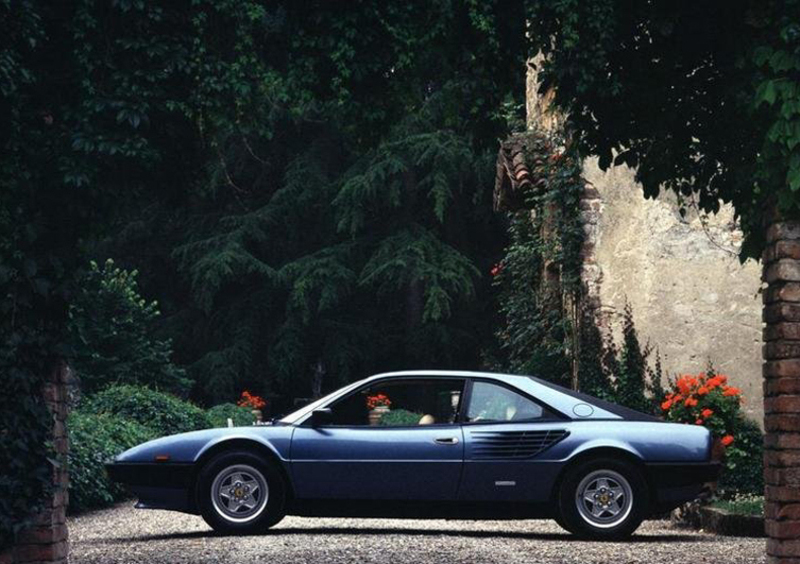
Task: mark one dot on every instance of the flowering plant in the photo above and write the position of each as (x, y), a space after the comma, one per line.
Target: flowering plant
(378, 400)
(250, 400)
(705, 399)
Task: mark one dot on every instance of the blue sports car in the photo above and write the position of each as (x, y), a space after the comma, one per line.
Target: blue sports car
(465, 445)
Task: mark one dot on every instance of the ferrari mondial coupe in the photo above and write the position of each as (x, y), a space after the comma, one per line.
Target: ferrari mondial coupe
(463, 445)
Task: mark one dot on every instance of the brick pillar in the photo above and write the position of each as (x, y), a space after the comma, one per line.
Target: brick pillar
(781, 263)
(46, 539)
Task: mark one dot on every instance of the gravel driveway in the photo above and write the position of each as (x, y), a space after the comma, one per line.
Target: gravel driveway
(123, 534)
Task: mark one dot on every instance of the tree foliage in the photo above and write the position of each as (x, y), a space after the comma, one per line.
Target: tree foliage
(111, 329)
(304, 188)
(701, 100)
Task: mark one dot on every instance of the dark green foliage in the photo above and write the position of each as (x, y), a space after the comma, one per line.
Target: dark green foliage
(400, 418)
(163, 413)
(94, 439)
(219, 414)
(111, 329)
(593, 377)
(744, 460)
(246, 159)
(700, 99)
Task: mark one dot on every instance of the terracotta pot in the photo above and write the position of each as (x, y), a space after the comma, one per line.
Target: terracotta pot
(376, 414)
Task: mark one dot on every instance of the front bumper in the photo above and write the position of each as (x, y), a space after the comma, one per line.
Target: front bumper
(674, 483)
(158, 485)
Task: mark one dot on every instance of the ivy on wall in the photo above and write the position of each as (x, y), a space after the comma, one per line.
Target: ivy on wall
(539, 276)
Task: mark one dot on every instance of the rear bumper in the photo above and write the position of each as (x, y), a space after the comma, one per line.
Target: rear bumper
(674, 483)
(158, 485)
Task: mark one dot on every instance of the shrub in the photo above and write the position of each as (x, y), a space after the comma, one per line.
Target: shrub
(95, 438)
(706, 399)
(744, 460)
(219, 414)
(111, 326)
(163, 413)
(400, 418)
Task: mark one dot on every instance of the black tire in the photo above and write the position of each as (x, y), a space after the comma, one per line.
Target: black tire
(619, 504)
(247, 477)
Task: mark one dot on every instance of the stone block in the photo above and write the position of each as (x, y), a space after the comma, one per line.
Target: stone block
(782, 331)
(787, 270)
(781, 311)
(782, 368)
(782, 458)
(786, 249)
(783, 440)
(41, 552)
(782, 422)
(781, 547)
(777, 350)
(782, 404)
(781, 386)
(782, 529)
(43, 535)
(783, 231)
(781, 493)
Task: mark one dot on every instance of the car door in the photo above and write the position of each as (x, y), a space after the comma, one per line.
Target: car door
(507, 435)
(394, 439)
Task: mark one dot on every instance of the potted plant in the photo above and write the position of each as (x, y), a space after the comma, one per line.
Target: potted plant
(255, 403)
(378, 405)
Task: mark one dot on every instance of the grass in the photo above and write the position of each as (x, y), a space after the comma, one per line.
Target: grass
(742, 505)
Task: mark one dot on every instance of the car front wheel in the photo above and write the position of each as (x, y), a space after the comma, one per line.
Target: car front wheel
(239, 492)
(603, 499)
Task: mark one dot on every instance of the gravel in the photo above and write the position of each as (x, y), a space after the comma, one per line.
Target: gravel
(123, 534)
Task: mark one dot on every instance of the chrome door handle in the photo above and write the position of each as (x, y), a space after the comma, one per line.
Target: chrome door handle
(446, 441)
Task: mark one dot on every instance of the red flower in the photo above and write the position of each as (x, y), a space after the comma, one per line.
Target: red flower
(251, 401)
(496, 269)
(666, 405)
(378, 400)
(727, 440)
(731, 392)
(707, 413)
(702, 390)
(690, 402)
(698, 422)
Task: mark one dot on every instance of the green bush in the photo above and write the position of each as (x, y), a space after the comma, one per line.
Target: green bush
(163, 413)
(400, 418)
(744, 460)
(95, 438)
(219, 414)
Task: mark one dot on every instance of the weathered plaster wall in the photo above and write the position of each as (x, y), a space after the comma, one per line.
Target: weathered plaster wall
(691, 297)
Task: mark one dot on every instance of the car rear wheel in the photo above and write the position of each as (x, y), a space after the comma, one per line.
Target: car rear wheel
(239, 492)
(603, 499)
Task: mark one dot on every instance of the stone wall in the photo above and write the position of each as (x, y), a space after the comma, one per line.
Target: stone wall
(46, 540)
(691, 296)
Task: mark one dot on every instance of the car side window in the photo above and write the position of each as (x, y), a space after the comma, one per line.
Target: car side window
(401, 403)
(491, 402)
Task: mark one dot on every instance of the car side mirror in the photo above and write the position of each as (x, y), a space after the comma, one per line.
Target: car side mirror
(321, 416)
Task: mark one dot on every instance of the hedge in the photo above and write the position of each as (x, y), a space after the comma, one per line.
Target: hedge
(94, 439)
(219, 414)
(163, 413)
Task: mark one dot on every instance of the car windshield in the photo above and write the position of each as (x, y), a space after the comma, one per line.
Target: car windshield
(298, 414)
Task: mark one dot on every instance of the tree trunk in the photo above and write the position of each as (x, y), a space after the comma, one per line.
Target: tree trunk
(316, 382)
(781, 264)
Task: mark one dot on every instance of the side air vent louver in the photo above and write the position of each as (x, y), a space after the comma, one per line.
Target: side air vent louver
(513, 444)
